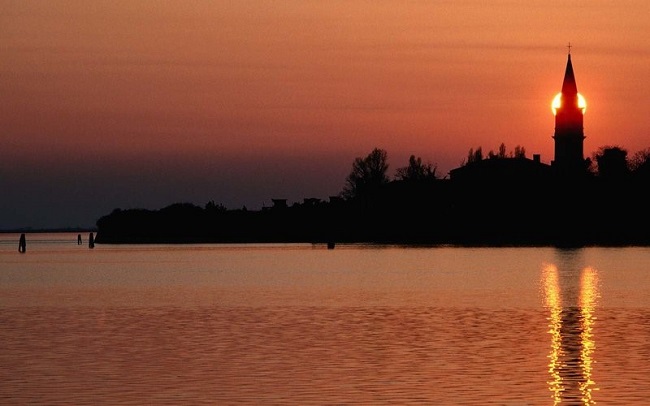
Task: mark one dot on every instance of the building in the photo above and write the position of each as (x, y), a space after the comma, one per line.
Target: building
(569, 108)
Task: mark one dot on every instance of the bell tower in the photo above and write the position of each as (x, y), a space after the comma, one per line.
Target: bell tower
(569, 108)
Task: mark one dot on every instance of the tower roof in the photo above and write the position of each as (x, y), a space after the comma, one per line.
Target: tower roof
(569, 86)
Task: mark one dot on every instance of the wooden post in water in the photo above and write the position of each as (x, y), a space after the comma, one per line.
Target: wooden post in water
(91, 241)
(22, 244)
(79, 242)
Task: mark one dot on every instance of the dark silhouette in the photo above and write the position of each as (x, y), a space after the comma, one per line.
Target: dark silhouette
(22, 244)
(640, 164)
(612, 163)
(502, 198)
(91, 241)
(569, 132)
(79, 242)
(368, 175)
(499, 201)
(416, 170)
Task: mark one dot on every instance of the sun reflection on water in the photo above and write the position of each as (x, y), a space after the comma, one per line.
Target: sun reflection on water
(588, 299)
(571, 330)
(554, 304)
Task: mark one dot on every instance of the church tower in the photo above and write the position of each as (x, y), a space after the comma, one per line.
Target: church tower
(569, 108)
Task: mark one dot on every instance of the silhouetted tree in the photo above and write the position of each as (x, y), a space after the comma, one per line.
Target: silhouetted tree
(612, 162)
(367, 174)
(640, 163)
(502, 150)
(213, 207)
(639, 166)
(520, 152)
(416, 170)
(591, 166)
(475, 156)
(501, 153)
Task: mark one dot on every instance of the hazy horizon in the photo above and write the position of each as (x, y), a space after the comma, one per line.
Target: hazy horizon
(143, 104)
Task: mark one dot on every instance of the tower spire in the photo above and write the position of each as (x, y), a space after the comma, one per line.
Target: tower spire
(569, 87)
(569, 133)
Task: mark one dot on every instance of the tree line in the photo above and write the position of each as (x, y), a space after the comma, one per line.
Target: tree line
(371, 172)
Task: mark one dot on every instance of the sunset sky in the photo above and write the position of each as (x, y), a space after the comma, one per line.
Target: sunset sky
(140, 104)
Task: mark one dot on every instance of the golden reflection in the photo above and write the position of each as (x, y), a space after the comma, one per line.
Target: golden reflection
(588, 298)
(554, 305)
(571, 323)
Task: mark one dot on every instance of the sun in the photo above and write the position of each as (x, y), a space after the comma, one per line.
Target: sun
(557, 103)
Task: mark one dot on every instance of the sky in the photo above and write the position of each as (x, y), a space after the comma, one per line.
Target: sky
(142, 104)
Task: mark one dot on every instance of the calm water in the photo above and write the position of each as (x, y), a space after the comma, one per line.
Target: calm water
(300, 324)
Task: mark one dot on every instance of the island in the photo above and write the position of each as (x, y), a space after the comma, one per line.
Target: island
(499, 198)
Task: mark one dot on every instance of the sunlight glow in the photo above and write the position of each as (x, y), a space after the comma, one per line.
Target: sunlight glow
(557, 103)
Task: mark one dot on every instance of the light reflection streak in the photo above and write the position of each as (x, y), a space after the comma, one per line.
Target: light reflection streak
(554, 304)
(571, 327)
(588, 298)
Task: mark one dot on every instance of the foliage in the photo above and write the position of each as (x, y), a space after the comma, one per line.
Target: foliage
(367, 174)
(477, 155)
(520, 152)
(212, 206)
(416, 170)
(640, 161)
(474, 156)
(612, 162)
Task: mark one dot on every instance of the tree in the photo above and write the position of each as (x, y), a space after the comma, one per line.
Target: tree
(416, 170)
(367, 174)
(211, 206)
(640, 162)
(502, 150)
(520, 152)
(612, 162)
(640, 165)
(475, 156)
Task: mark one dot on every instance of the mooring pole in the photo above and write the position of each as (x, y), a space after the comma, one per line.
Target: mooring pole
(22, 244)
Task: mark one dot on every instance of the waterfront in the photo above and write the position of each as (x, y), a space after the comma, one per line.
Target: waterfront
(300, 324)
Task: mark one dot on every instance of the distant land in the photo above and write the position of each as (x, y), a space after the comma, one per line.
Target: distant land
(504, 199)
(49, 230)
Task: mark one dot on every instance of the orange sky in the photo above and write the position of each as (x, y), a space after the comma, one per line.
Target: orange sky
(145, 103)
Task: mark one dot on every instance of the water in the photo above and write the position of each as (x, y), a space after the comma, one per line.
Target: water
(300, 324)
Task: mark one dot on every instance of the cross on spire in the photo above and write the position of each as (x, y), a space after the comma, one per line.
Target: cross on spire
(569, 47)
